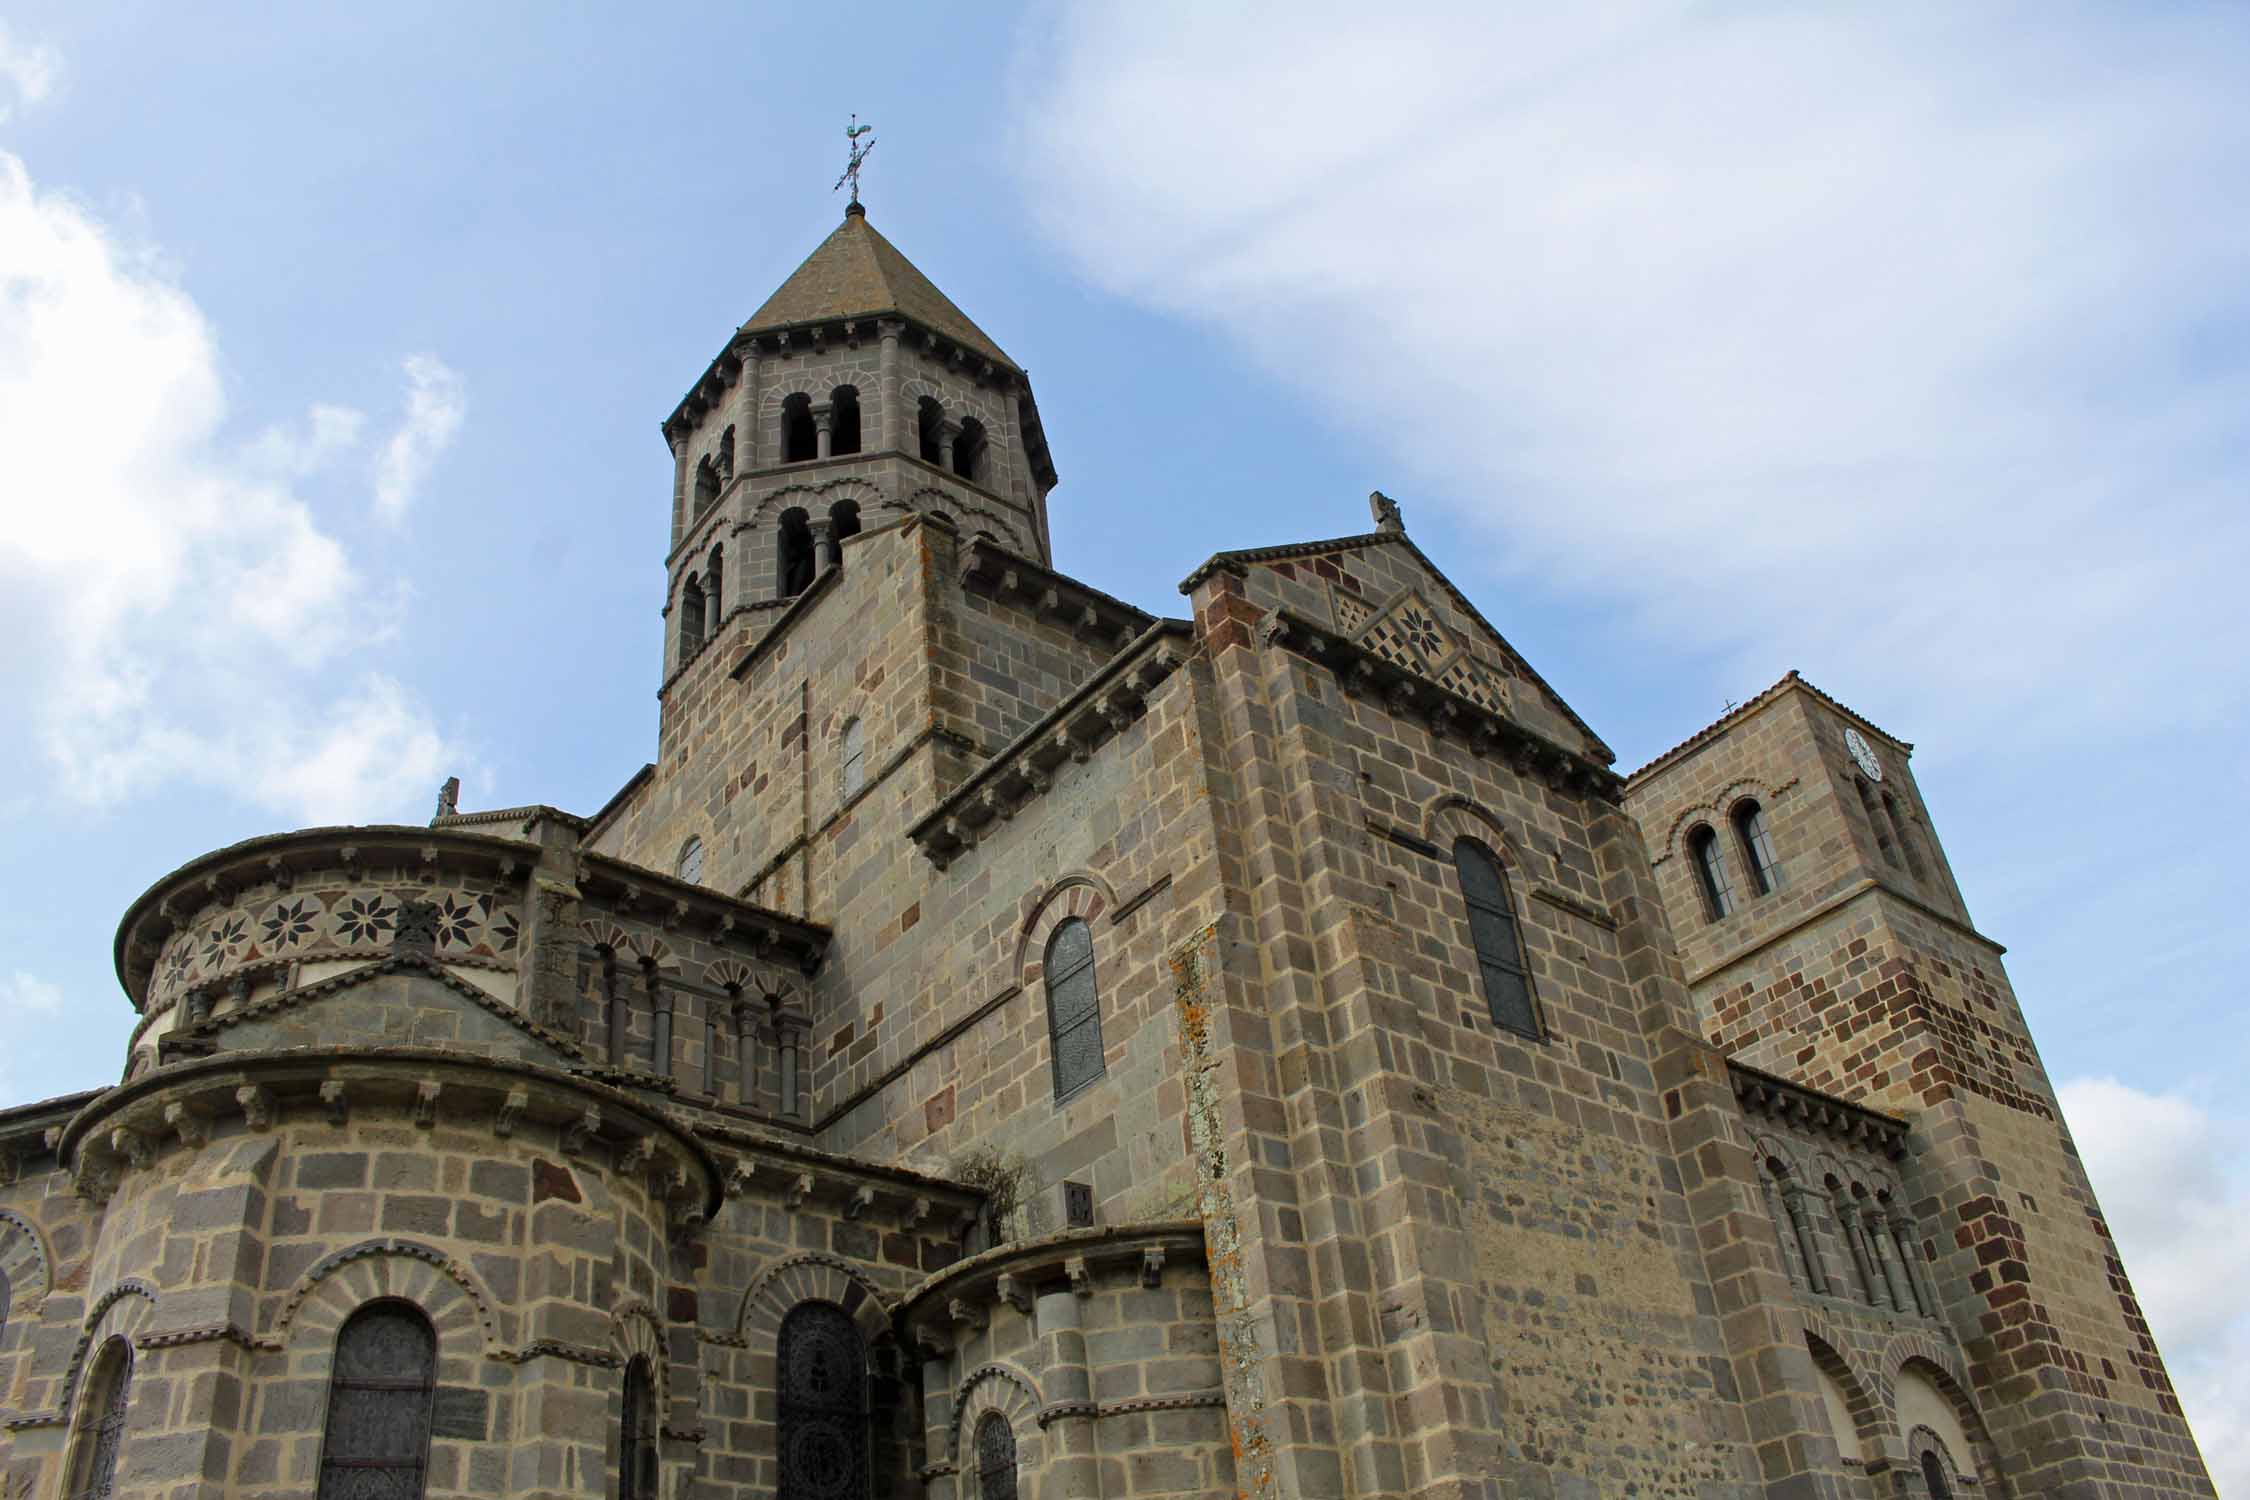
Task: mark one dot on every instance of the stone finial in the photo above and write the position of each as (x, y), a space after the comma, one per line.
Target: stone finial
(448, 799)
(1385, 511)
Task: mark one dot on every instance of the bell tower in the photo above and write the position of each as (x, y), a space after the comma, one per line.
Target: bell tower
(858, 394)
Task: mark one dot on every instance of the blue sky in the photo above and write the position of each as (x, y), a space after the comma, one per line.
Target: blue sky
(1906, 349)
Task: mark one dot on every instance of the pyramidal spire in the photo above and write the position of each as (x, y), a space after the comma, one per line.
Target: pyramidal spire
(856, 273)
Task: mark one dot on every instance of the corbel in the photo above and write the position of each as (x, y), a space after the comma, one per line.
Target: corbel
(1117, 710)
(741, 1177)
(1072, 744)
(11, 1166)
(580, 1133)
(238, 989)
(511, 1112)
(192, 1127)
(918, 1213)
(1014, 1293)
(1081, 1279)
(425, 1103)
(92, 1183)
(965, 1314)
(278, 873)
(1360, 679)
(861, 1200)
(133, 1146)
(994, 803)
(335, 1100)
(1152, 1266)
(1441, 718)
(256, 1105)
(639, 1156)
(800, 1188)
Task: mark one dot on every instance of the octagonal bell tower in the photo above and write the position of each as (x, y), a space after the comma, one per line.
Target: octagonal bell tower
(856, 395)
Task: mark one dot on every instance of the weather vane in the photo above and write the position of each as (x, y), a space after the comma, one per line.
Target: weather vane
(852, 133)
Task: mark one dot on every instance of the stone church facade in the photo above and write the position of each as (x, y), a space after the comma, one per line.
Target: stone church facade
(1009, 1043)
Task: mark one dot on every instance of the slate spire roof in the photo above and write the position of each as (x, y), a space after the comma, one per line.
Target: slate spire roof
(856, 273)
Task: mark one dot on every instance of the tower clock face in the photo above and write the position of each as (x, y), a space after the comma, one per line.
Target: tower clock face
(1863, 754)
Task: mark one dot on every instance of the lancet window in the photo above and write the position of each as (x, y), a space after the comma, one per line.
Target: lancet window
(380, 1391)
(1492, 929)
(1074, 1013)
(823, 1409)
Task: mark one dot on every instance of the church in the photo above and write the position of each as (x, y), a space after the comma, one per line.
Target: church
(1008, 1043)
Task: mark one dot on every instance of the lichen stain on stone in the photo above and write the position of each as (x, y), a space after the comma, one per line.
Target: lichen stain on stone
(1222, 1231)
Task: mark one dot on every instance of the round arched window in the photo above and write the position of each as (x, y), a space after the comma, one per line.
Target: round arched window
(691, 861)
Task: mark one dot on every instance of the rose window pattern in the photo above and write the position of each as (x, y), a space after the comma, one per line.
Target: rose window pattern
(1410, 634)
(824, 1418)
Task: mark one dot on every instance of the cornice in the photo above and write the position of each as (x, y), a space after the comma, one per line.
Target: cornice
(1762, 1093)
(650, 895)
(964, 1293)
(989, 568)
(1104, 705)
(1444, 713)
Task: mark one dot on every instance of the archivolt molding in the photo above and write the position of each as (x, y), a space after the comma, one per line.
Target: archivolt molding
(996, 1387)
(1870, 1416)
(1715, 811)
(815, 499)
(1948, 1373)
(820, 384)
(635, 1332)
(811, 1276)
(602, 933)
(1082, 893)
(124, 1310)
(432, 1280)
(1921, 1440)
(22, 1245)
(1449, 816)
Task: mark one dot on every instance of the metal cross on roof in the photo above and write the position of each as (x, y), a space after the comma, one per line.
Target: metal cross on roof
(852, 133)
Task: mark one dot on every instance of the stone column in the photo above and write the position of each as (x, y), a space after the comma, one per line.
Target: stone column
(824, 430)
(1795, 1194)
(746, 411)
(745, 1070)
(1847, 1221)
(714, 599)
(678, 438)
(791, 1104)
(827, 552)
(1893, 1275)
(1073, 1455)
(1917, 1274)
(1789, 1264)
(888, 392)
(711, 1048)
(660, 1013)
(613, 1004)
(940, 1477)
(948, 431)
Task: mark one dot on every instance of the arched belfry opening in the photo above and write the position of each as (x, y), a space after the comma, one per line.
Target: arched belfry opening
(843, 520)
(793, 554)
(706, 484)
(843, 421)
(929, 428)
(800, 439)
(969, 451)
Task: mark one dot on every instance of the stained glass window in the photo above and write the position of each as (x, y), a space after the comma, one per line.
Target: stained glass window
(1492, 928)
(824, 1419)
(996, 1458)
(104, 1432)
(636, 1446)
(1711, 873)
(1074, 1019)
(1757, 848)
(380, 1391)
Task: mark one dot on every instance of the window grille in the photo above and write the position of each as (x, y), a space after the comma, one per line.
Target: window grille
(1757, 848)
(380, 1393)
(824, 1420)
(104, 1433)
(996, 1458)
(1711, 874)
(1492, 929)
(636, 1438)
(1074, 1020)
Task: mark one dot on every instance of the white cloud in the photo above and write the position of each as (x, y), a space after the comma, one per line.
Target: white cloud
(436, 401)
(2170, 1178)
(175, 612)
(27, 72)
(1908, 339)
(25, 995)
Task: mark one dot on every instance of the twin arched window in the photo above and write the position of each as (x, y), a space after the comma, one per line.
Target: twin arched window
(824, 1408)
(102, 1433)
(380, 1392)
(996, 1458)
(1714, 878)
(1492, 929)
(1074, 1013)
